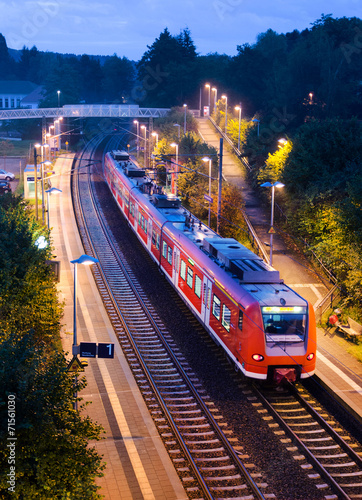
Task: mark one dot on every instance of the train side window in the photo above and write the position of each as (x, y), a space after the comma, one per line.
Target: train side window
(197, 286)
(226, 317)
(146, 226)
(139, 218)
(164, 250)
(216, 307)
(190, 276)
(240, 321)
(154, 238)
(183, 270)
(169, 256)
(158, 241)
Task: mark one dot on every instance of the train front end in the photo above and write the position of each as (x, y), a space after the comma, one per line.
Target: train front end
(282, 344)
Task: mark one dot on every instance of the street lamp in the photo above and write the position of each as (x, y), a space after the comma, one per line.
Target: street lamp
(52, 190)
(282, 142)
(238, 108)
(226, 111)
(58, 92)
(36, 178)
(206, 158)
(255, 120)
(42, 188)
(155, 134)
(214, 89)
(185, 108)
(174, 145)
(87, 261)
(179, 126)
(144, 128)
(136, 122)
(208, 86)
(276, 184)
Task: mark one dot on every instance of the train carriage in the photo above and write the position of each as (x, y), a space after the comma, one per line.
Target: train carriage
(266, 329)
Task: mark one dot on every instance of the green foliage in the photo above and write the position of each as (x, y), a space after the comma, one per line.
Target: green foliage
(165, 69)
(275, 164)
(28, 296)
(53, 459)
(233, 131)
(118, 79)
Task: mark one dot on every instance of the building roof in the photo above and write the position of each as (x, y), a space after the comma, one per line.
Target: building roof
(17, 87)
(35, 96)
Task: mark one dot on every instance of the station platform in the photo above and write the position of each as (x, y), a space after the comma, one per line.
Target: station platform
(137, 464)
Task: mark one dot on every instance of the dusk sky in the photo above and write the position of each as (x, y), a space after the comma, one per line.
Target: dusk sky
(126, 27)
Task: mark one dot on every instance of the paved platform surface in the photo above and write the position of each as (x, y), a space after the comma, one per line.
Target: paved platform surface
(138, 466)
(336, 368)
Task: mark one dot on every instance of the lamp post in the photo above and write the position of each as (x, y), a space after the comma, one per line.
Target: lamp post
(214, 89)
(136, 122)
(155, 134)
(226, 111)
(85, 260)
(58, 92)
(276, 184)
(185, 118)
(52, 190)
(208, 86)
(36, 179)
(206, 158)
(178, 129)
(42, 188)
(255, 120)
(144, 128)
(174, 145)
(238, 108)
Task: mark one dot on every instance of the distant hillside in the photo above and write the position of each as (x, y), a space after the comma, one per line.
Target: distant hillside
(16, 54)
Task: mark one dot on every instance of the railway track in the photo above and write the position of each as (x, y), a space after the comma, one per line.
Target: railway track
(209, 459)
(324, 449)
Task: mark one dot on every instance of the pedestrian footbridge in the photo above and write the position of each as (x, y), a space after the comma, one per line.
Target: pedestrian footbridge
(85, 111)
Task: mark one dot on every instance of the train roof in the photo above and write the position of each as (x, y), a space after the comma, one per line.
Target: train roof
(246, 272)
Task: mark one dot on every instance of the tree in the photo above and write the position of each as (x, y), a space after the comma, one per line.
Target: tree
(53, 458)
(6, 62)
(164, 70)
(63, 75)
(28, 295)
(91, 75)
(118, 79)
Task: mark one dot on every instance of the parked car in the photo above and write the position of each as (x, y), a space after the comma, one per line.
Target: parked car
(5, 187)
(6, 176)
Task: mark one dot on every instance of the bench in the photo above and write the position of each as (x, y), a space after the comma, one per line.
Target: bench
(351, 330)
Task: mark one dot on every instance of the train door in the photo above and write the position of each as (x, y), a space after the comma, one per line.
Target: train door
(176, 265)
(206, 299)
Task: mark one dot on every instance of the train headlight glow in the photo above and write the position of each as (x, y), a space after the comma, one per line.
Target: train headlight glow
(257, 357)
(310, 356)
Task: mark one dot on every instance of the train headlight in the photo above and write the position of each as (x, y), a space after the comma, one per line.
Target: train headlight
(257, 357)
(310, 356)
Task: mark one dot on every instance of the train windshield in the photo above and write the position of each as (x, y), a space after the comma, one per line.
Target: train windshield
(284, 324)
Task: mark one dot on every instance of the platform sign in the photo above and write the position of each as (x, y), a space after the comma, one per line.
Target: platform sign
(208, 198)
(105, 350)
(88, 349)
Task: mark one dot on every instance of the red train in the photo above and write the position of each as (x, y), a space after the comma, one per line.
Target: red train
(266, 329)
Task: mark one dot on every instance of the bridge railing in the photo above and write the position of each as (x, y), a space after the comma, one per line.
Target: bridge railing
(85, 111)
